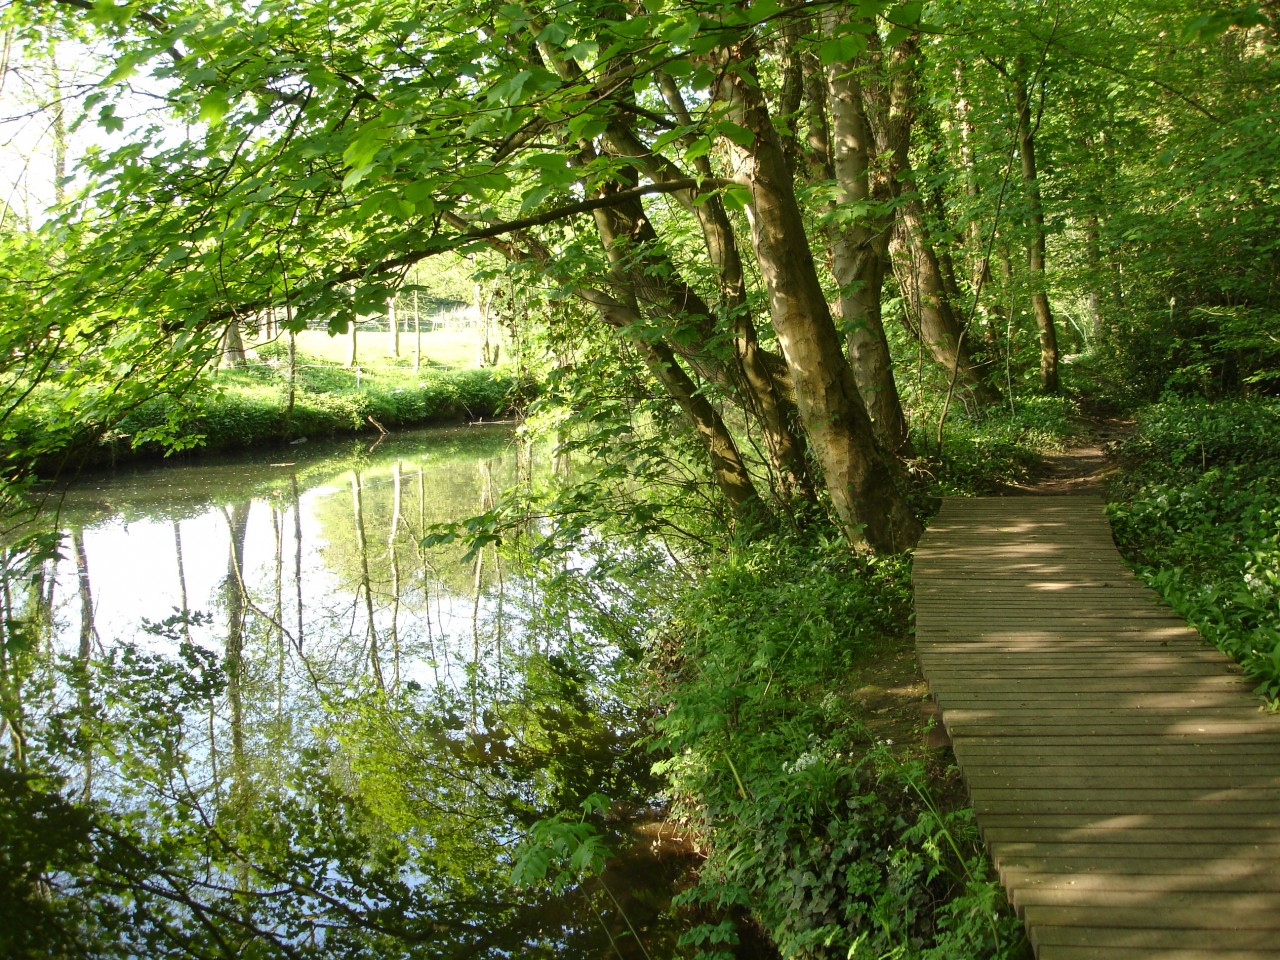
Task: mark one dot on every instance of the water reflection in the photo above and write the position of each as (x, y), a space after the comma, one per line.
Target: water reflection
(316, 733)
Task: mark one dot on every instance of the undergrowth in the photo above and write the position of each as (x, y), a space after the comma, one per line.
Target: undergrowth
(982, 452)
(1198, 513)
(837, 843)
(247, 407)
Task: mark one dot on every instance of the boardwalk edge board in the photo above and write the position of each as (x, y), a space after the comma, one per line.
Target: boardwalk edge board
(1121, 771)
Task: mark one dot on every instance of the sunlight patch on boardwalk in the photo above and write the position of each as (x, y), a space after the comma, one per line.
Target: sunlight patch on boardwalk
(1123, 776)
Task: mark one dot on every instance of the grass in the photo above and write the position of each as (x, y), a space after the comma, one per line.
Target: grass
(248, 406)
(456, 348)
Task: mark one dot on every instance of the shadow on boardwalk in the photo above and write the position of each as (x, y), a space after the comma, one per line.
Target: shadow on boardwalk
(1123, 776)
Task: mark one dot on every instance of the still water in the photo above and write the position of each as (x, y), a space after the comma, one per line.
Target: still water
(330, 738)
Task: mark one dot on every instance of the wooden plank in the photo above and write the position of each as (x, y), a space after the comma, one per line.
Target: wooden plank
(1168, 938)
(1050, 951)
(1053, 876)
(1087, 776)
(1128, 630)
(1052, 713)
(1082, 669)
(1126, 804)
(1120, 770)
(1154, 834)
(1238, 910)
(991, 634)
(1147, 754)
(1180, 820)
(1141, 872)
(1205, 746)
(1102, 851)
(1027, 686)
(1175, 772)
(1136, 700)
(974, 655)
(1218, 915)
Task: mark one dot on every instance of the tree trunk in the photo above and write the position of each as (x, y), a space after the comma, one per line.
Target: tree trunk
(237, 517)
(872, 510)
(1099, 330)
(762, 395)
(915, 262)
(393, 327)
(393, 560)
(417, 334)
(291, 382)
(1036, 244)
(727, 466)
(58, 129)
(233, 354)
(366, 579)
(859, 254)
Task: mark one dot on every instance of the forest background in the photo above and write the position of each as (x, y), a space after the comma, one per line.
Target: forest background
(776, 274)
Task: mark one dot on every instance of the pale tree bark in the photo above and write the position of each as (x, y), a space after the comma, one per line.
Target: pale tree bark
(233, 592)
(859, 257)
(233, 354)
(58, 129)
(728, 469)
(84, 660)
(749, 379)
(417, 334)
(393, 326)
(299, 606)
(727, 466)
(365, 585)
(872, 510)
(915, 261)
(977, 251)
(291, 374)
(277, 613)
(393, 559)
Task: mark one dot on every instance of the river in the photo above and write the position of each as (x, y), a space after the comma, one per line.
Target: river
(306, 734)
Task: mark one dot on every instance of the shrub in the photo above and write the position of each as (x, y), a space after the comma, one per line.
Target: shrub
(982, 453)
(1198, 513)
(246, 407)
(832, 842)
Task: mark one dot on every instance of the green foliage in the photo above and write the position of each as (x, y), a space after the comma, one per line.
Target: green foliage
(43, 832)
(831, 840)
(983, 453)
(1198, 512)
(1209, 352)
(559, 852)
(246, 407)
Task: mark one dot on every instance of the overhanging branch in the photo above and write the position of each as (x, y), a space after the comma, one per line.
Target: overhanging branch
(524, 223)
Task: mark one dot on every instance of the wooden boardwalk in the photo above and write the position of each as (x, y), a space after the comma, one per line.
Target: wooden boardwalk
(1123, 776)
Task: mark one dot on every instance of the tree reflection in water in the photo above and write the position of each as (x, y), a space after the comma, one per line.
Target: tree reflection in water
(248, 713)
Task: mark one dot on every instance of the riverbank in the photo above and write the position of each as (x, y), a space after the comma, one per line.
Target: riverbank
(254, 406)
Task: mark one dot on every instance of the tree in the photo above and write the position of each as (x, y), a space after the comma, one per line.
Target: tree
(352, 157)
(664, 167)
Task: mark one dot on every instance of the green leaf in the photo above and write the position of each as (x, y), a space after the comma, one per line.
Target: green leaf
(738, 134)
(532, 199)
(555, 33)
(421, 194)
(678, 31)
(841, 49)
(736, 196)
(108, 120)
(214, 107)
